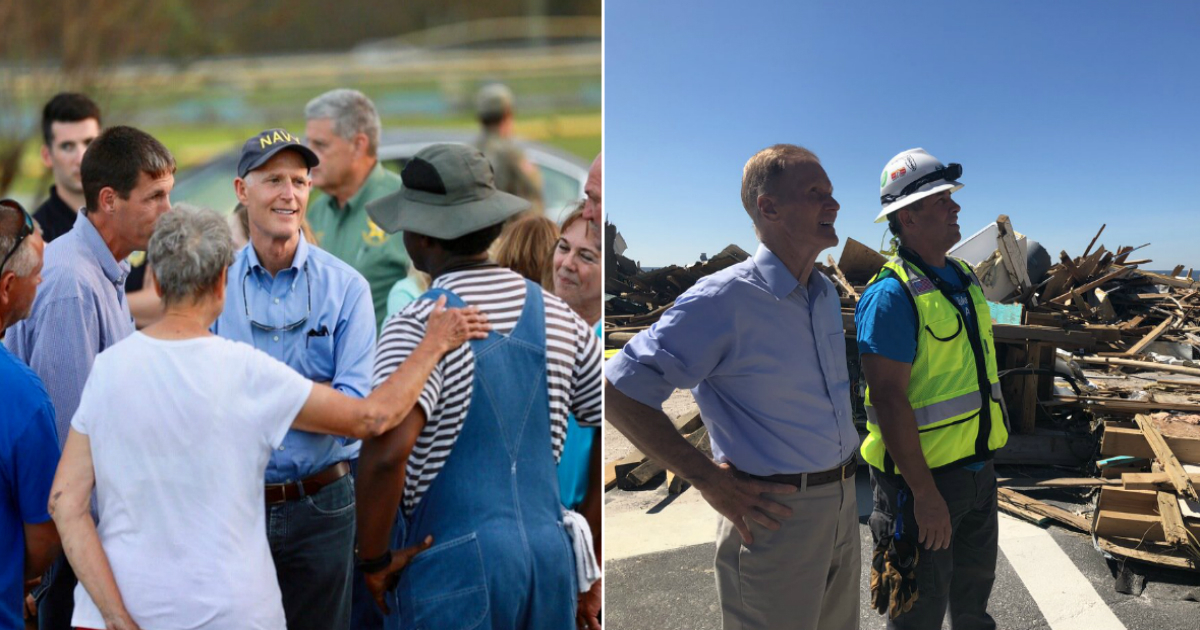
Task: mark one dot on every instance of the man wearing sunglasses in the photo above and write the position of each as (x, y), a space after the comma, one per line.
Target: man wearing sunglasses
(313, 312)
(81, 308)
(934, 409)
(28, 444)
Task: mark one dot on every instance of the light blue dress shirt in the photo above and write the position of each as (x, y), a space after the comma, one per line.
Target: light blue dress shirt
(326, 307)
(80, 310)
(765, 359)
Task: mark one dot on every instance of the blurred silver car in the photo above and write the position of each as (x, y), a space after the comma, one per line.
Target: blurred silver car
(563, 174)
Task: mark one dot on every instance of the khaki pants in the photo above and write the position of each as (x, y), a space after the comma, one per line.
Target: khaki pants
(805, 576)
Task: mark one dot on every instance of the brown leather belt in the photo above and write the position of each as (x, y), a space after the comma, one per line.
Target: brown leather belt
(808, 480)
(284, 492)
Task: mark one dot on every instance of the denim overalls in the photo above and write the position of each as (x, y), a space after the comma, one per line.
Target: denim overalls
(501, 557)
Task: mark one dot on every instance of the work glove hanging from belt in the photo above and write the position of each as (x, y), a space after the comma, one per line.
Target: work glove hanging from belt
(894, 577)
(894, 570)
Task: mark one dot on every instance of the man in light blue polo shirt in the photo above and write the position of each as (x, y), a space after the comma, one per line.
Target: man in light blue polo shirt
(761, 346)
(313, 312)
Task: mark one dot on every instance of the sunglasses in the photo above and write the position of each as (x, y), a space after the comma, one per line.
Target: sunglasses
(26, 230)
(950, 173)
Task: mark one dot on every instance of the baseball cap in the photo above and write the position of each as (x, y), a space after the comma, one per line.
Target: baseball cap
(263, 146)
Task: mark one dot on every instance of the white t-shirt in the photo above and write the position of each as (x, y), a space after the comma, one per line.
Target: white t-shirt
(181, 432)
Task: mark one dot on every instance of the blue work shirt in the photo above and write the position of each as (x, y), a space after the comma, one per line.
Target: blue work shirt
(28, 458)
(335, 344)
(765, 359)
(80, 310)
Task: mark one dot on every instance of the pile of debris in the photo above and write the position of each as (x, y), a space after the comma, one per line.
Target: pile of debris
(1100, 370)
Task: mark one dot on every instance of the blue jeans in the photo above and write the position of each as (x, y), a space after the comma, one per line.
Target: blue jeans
(312, 543)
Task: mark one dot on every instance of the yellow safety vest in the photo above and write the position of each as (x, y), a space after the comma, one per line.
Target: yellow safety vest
(953, 375)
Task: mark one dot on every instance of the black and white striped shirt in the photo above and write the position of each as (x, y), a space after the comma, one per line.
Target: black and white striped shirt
(573, 367)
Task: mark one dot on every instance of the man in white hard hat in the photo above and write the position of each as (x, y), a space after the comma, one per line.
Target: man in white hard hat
(934, 409)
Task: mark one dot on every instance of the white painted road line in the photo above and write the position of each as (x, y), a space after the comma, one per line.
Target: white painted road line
(1066, 598)
(635, 533)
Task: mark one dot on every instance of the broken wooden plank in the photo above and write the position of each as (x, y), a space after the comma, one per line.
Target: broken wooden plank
(841, 279)
(1062, 299)
(1010, 255)
(1153, 481)
(1020, 512)
(1150, 338)
(1089, 247)
(619, 468)
(1037, 507)
(1172, 520)
(1153, 554)
(1120, 405)
(1145, 365)
(1166, 457)
(1119, 440)
(650, 469)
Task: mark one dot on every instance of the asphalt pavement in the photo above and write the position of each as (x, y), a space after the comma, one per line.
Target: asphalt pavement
(659, 571)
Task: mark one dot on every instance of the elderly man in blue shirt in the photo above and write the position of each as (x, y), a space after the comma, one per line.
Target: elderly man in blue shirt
(761, 346)
(313, 312)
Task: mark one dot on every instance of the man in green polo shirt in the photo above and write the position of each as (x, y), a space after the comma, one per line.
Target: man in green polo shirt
(343, 129)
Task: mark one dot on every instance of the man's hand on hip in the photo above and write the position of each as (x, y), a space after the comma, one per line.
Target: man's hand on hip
(739, 498)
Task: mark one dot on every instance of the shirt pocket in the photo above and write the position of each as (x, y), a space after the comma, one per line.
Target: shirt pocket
(837, 356)
(319, 359)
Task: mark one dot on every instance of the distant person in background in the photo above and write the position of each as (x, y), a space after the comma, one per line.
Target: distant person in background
(312, 312)
(407, 290)
(526, 246)
(593, 210)
(81, 308)
(28, 444)
(69, 124)
(343, 129)
(577, 279)
(515, 174)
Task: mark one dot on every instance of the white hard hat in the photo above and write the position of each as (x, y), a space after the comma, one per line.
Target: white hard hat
(914, 175)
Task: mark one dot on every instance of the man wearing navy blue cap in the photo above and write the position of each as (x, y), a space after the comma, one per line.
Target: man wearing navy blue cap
(310, 310)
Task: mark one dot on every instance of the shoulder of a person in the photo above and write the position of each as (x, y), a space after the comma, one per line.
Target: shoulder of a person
(724, 285)
(388, 182)
(19, 377)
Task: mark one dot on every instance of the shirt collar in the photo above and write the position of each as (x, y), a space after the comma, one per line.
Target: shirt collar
(298, 260)
(116, 272)
(779, 279)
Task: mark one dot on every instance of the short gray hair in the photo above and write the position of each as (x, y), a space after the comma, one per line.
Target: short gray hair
(24, 260)
(190, 248)
(351, 112)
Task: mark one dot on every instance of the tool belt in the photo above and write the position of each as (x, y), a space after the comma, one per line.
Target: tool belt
(284, 492)
(845, 470)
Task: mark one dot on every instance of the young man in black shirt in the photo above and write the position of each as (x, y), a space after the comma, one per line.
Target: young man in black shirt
(69, 124)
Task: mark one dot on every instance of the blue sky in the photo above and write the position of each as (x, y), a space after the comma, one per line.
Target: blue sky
(1064, 114)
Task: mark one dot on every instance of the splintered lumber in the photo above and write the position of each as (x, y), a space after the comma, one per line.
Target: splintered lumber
(1011, 256)
(859, 262)
(1089, 247)
(1121, 405)
(1151, 553)
(1150, 338)
(841, 279)
(1062, 299)
(650, 469)
(1153, 481)
(1145, 365)
(1132, 514)
(1029, 504)
(1175, 472)
(1120, 440)
(1158, 278)
(617, 469)
(1172, 520)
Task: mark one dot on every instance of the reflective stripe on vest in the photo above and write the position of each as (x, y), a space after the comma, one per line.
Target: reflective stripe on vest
(947, 376)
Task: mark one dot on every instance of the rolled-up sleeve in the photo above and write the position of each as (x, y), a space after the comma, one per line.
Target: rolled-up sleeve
(685, 346)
